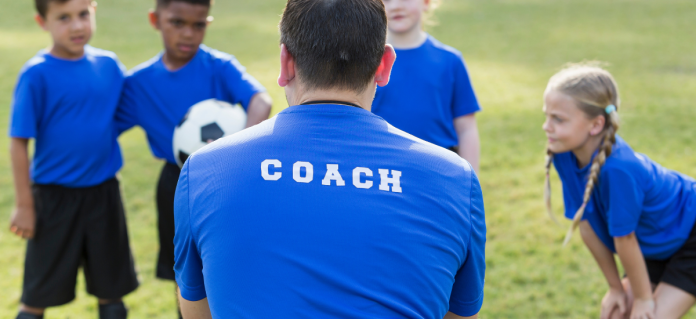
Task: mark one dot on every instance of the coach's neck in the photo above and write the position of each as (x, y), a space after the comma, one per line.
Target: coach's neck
(296, 93)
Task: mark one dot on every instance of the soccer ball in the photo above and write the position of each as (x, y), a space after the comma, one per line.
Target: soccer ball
(206, 121)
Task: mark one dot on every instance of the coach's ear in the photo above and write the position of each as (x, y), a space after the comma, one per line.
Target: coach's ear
(385, 67)
(287, 67)
(154, 18)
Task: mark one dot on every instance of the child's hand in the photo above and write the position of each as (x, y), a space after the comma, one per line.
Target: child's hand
(614, 301)
(23, 221)
(643, 309)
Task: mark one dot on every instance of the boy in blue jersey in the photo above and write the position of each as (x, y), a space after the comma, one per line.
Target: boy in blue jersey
(68, 204)
(430, 94)
(326, 210)
(158, 93)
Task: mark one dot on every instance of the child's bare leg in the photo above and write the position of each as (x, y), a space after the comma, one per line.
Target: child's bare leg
(672, 302)
(31, 310)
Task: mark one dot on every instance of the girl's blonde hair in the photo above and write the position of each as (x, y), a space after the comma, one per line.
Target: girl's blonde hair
(593, 90)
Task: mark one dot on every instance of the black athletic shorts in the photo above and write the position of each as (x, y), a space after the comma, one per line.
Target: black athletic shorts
(78, 227)
(166, 188)
(679, 270)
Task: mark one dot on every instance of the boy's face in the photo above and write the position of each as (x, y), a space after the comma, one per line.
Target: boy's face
(405, 15)
(182, 26)
(70, 25)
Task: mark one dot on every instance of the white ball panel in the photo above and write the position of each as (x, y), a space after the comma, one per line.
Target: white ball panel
(187, 137)
(232, 119)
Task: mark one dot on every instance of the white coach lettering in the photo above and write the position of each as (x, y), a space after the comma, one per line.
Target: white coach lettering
(333, 175)
(309, 172)
(356, 177)
(264, 169)
(385, 180)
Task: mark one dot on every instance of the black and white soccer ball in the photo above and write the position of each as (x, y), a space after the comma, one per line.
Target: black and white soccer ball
(206, 121)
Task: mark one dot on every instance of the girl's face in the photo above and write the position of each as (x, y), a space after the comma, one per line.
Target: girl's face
(405, 15)
(567, 127)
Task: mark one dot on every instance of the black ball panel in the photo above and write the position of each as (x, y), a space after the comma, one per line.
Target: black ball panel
(183, 157)
(211, 132)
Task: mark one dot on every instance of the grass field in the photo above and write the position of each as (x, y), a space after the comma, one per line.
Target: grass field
(511, 48)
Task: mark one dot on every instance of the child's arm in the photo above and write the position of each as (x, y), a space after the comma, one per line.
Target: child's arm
(23, 217)
(450, 315)
(259, 109)
(194, 309)
(616, 296)
(469, 143)
(631, 257)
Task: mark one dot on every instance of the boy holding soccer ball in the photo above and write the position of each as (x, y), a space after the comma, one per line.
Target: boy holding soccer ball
(158, 94)
(68, 204)
(430, 94)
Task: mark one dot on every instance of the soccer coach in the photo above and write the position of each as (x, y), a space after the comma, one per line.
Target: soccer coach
(326, 210)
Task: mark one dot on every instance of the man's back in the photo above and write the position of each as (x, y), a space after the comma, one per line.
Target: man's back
(326, 211)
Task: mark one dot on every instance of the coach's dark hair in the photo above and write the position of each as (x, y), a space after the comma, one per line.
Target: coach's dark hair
(42, 6)
(336, 44)
(165, 3)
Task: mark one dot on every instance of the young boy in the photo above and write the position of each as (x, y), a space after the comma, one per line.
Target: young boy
(158, 93)
(430, 94)
(68, 205)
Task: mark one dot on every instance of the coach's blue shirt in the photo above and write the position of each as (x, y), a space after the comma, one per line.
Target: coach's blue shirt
(157, 99)
(68, 107)
(429, 87)
(327, 211)
(635, 194)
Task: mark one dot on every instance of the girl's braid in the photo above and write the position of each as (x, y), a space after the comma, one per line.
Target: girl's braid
(599, 160)
(547, 189)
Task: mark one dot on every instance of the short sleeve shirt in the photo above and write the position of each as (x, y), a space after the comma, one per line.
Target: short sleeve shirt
(429, 87)
(327, 211)
(157, 99)
(68, 107)
(635, 194)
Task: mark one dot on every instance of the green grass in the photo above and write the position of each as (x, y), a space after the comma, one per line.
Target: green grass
(511, 48)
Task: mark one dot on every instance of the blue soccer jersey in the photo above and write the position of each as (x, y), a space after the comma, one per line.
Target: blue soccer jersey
(429, 87)
(157, 99)
(327, 211)
(68, 107)
(635, 194)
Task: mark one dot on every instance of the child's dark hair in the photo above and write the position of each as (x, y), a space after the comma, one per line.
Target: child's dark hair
(593, 90)
(335, 44)
(42, 6)
(165, 3)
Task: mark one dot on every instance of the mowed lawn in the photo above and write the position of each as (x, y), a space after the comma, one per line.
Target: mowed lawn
(511, 48)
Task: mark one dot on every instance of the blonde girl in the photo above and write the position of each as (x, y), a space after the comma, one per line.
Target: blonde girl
(623, 202)
(430, 94)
